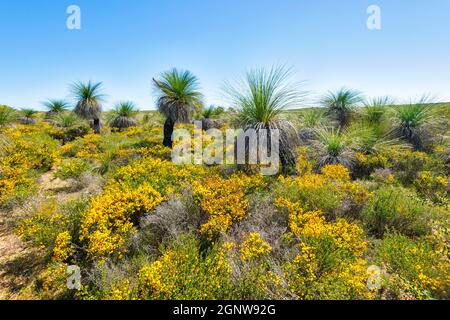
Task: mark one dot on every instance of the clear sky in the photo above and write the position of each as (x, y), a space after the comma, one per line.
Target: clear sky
(124, 43)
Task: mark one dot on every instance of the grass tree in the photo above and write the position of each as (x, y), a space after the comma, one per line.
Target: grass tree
(375, 110)
(212, 111)
(335, 146)
(55, 107)
(28, 116)
(122, 116)
(415, 121)
(208, 115)
(89, 99)
(67, 120)
(260, 99)
(375, 118)
(341, 104)
(310, 119)
(177, 97)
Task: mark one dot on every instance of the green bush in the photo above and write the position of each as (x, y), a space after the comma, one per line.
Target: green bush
(416, 269)
(6, 115)
(398, 209)
(72, 169)
(184, 272)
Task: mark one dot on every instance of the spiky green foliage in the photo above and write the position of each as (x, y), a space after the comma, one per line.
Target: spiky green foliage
(6, 115)
(178, 95)
(375, 110)
(67, 119)
(28, 116)
(56, 106)
(414, 122)
(335, 146)
(212, 111)
(122, 115)
(372, 138)
(341, 104)
(263, 95)
(89, 97)
(312, 118)
(261, 98)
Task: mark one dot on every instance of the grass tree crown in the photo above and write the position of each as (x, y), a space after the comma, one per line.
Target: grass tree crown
(89, 97)
(416, 121)
(122, 116)
(340, 104)
(263, 95)
(260, 98)
(55, 106)
(177, 94)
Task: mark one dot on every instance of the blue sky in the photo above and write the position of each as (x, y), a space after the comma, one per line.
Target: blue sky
(124, 43)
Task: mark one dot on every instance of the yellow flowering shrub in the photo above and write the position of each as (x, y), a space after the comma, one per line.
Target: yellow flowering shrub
(223, 200)
(86, 147)
(109, 221)
(63, 247)
(367, 163)
(330, 261)
(407, 164)
(435, 188)
(326, 191)
(43, 227)
(336, 172)
(416, 266)
(162, 175)
(182, 272)
(253, 274)
(121, 291)
(53, 280)
(253, 247)
(303, 165)
(71, 169)
(303, 223)
(25, 152)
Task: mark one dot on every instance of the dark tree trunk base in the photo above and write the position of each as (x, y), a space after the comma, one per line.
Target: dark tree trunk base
(96, 125)
(168, 131)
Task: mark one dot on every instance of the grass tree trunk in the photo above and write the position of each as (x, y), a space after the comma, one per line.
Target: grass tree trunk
(168, 131)
(96, 125)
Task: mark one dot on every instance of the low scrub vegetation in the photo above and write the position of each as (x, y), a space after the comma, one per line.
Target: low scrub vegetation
(364, 185)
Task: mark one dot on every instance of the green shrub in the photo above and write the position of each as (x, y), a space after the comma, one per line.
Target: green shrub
(407, 164)
(6, 115)
(184, 272)
(72, 169)
(398, 209)
(415, 268)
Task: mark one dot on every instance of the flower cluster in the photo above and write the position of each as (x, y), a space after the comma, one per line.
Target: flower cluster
(63, 247)
(109, 221)
(336, 172)
(71, 169)
(182, 273)
(434, 187)
(253, 247)
(329, 252)
(160, 174)
(223, 200)
(326, 191)
(24, 152)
